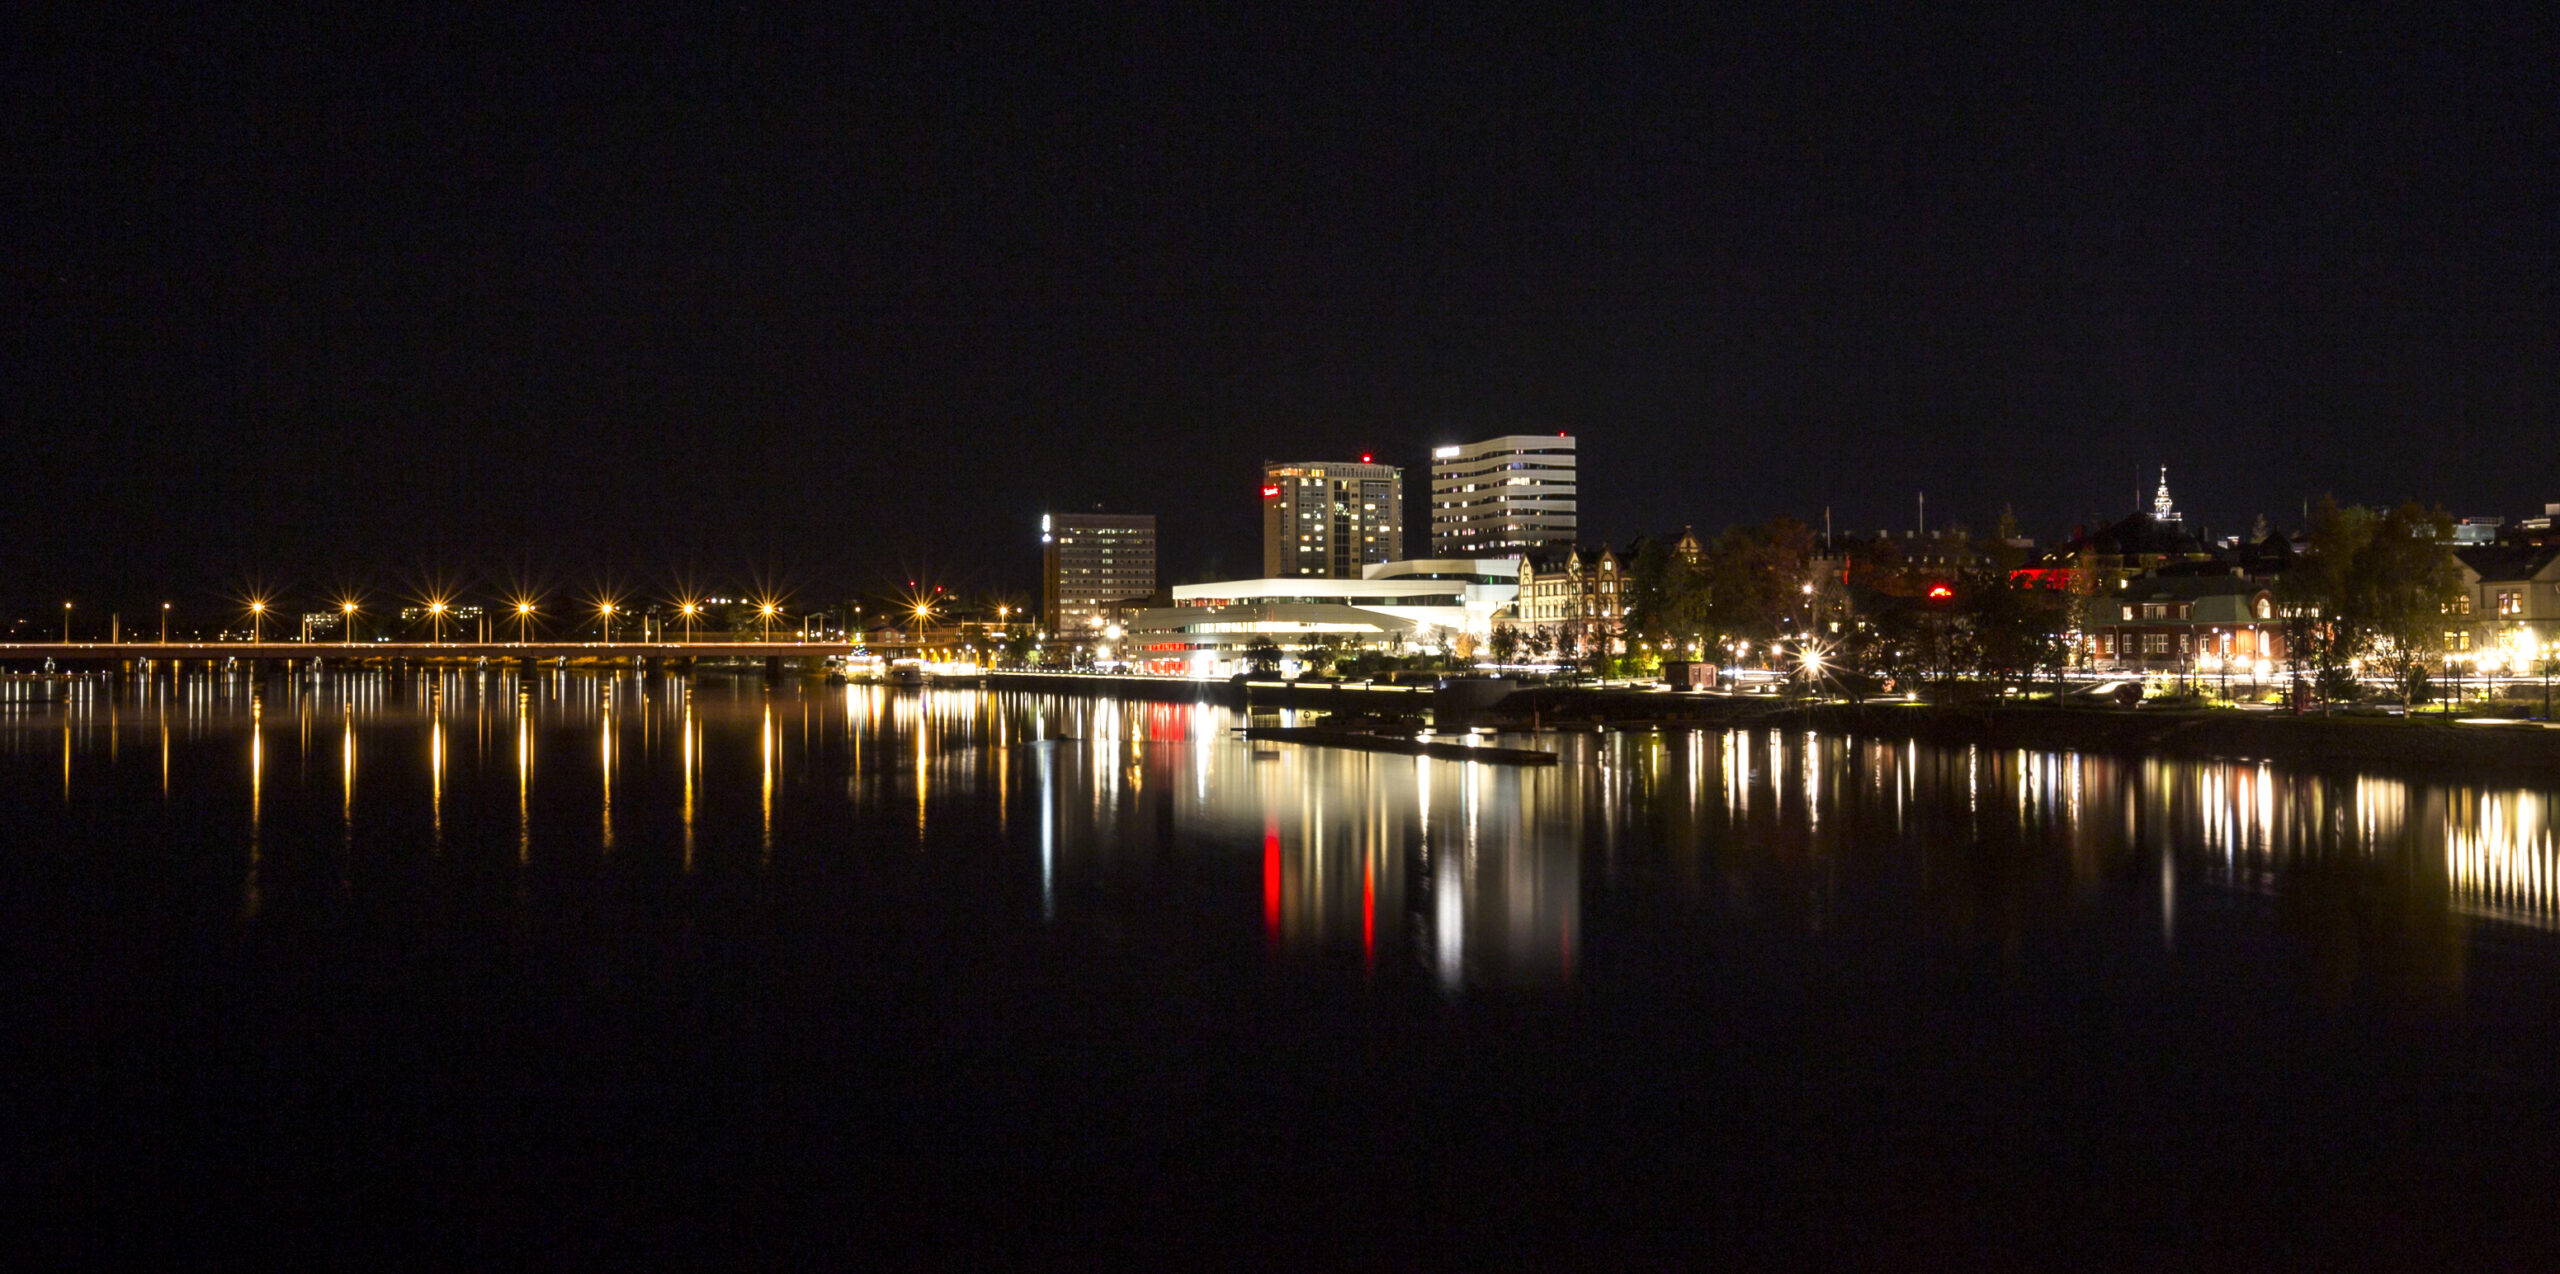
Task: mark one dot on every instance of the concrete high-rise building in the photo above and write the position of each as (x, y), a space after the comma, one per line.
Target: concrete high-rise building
(1329, 519)
(1092, 565)
(1504, 495)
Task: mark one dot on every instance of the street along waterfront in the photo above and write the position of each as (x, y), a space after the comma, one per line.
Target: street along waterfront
(581, 965)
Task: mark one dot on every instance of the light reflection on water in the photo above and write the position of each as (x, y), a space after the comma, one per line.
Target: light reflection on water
(1472, 874)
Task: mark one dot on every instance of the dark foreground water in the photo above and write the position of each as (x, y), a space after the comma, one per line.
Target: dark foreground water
(609, 971)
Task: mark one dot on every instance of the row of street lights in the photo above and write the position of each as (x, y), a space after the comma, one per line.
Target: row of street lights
(437, 610)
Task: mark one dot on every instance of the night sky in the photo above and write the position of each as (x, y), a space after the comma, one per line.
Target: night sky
(384, 296)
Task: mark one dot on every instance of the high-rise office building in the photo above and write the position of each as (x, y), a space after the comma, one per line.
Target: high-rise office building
(1502, 496)
(1091, 565)
(1329, 519)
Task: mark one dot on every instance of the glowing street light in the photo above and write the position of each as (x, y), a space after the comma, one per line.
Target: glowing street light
(66, 623)
(164, 623)
(348, 609)
(605, 609)
(524, 622)
(257, 620)
(688, 610)
(436, 610)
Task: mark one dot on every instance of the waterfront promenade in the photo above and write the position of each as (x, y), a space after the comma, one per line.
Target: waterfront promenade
(88, 652)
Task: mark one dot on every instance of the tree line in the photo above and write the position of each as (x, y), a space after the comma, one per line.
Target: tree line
(2366, 588)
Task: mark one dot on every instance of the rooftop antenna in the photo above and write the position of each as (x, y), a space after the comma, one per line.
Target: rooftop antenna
(1826, 528)
(1923, 528)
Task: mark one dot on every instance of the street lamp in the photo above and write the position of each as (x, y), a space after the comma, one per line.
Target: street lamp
(688, 610)
(257, 621)
(164, 623)
(766, 610)
(606, 609)
(348, 609)
(66, 623)
(436, 610)
(524, 622)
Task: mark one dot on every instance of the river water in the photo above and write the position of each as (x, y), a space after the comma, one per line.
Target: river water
(575, 967)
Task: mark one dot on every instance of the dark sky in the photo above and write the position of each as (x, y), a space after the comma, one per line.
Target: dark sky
(397, 294)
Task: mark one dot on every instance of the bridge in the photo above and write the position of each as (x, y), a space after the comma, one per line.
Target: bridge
(18, 653)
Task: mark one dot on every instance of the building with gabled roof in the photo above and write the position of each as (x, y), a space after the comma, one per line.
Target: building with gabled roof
(2198, 623)
(2510, 602)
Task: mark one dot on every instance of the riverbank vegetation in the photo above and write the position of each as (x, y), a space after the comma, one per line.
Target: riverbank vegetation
(2363, 605)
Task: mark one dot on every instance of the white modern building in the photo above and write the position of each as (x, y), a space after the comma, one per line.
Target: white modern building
(1326, 519)
(1092, 565)
(1504, 495)
(1411, 607)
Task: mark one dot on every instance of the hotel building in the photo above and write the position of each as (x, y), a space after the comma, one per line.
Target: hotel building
(1328, 520)
(1504, 495)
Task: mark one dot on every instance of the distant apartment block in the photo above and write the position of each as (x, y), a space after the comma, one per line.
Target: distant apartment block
(1092, 565)
(1328, 520)
(1506, 495)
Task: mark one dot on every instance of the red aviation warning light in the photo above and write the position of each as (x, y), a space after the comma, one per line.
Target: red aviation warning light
(1270, 493)
(1364, 457)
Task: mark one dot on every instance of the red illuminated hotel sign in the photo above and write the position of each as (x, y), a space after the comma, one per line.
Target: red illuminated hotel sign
(1270, 493)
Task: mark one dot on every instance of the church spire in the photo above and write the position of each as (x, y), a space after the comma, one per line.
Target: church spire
(2162, 509)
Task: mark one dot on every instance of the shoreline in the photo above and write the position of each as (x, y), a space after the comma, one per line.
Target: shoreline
(2521, 753)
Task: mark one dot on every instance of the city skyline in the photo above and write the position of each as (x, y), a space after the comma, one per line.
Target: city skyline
(410, 292)
(567, 588)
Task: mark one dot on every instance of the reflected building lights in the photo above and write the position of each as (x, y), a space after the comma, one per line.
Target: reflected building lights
(604, 746)
(1044, 757)
(2500, 856)
(524, 780)
(1354, 847)
(1811, 781)
(435, 789)
(347, 773)
(249, 896)
(692, 742)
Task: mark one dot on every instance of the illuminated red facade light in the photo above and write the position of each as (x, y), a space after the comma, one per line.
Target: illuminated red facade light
(1940, 592)
(1271, 493)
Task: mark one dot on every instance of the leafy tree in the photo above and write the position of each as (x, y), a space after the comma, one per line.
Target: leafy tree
(1859, 662)
(2011, 632)
(2369, 585)
(2320, 640)
(1667, 596)
(1505, 644)
(1755, 579)
(2403, 582)
(1263, 657)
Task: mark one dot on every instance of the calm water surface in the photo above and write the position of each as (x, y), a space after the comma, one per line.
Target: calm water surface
(578, 966)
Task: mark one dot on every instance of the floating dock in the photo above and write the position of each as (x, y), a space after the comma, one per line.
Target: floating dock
(1398, 745)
